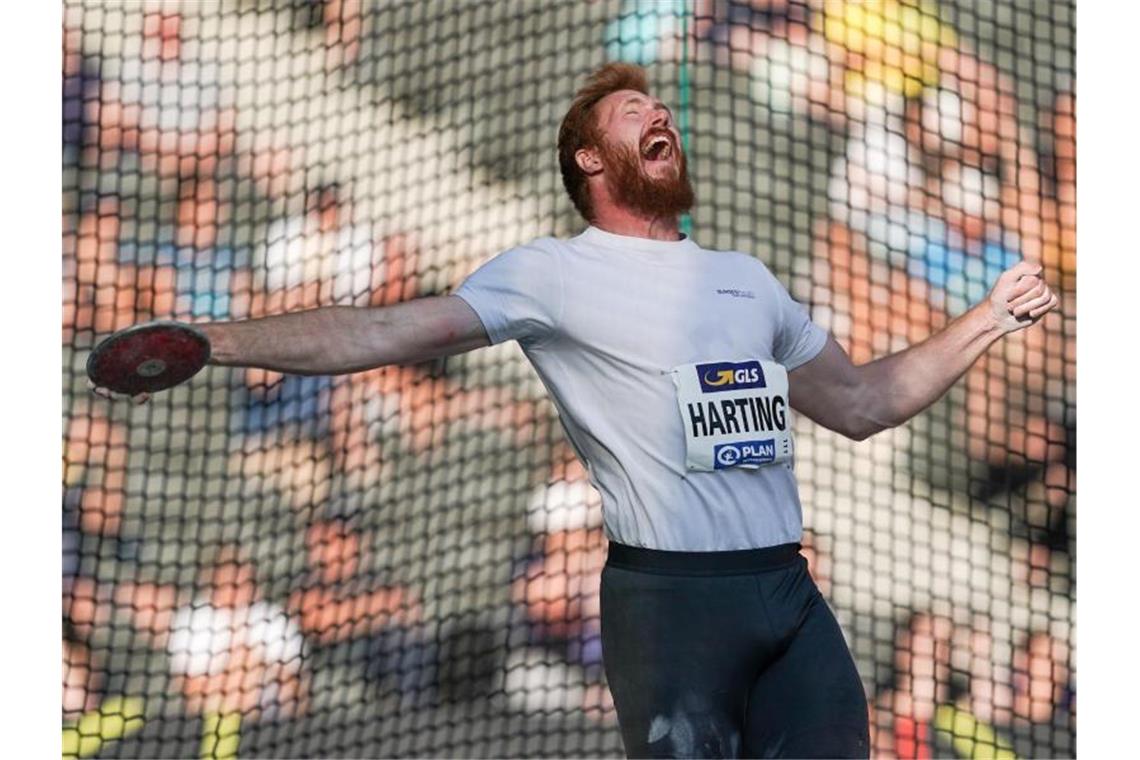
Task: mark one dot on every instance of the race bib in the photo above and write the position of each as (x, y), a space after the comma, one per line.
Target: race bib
(735, 414)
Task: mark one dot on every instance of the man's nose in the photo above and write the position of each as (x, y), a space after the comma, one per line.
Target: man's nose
(660, 117)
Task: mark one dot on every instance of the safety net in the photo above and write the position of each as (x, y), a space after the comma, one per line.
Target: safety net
(405, 561)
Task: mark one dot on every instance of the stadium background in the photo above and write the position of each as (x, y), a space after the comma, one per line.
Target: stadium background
(224, 160)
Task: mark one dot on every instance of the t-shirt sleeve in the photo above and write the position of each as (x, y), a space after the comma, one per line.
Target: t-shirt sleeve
(518, 294)
(798, 340)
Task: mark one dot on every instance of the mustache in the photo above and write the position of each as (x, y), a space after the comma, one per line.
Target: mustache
(635, 189)
(656, 132)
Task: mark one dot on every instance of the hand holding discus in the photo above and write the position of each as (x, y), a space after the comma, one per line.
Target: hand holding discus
(147, 358)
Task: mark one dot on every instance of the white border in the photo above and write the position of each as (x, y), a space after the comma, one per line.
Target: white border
(1108, 41)
(31, 50)
(1108, 521)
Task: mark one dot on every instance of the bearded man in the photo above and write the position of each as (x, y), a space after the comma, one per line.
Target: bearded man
(674, 370)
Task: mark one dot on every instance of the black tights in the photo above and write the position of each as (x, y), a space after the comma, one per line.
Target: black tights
(722, 654)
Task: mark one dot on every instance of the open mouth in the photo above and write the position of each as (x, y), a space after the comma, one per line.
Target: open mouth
(657, 147)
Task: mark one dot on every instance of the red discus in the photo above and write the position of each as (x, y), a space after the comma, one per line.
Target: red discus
(149, 357)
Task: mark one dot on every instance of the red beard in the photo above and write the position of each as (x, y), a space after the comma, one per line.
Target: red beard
(635, 189)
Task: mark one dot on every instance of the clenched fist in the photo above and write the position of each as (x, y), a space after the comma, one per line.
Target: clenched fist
(1020, 297)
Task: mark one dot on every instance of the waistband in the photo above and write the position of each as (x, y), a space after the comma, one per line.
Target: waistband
(737, 562)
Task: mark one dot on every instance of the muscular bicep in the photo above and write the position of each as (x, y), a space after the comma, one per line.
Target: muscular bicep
(827, 389)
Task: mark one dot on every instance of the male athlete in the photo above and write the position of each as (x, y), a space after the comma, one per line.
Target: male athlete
(674, 370)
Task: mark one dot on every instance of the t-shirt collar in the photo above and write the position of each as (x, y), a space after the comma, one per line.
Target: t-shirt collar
(597, 236)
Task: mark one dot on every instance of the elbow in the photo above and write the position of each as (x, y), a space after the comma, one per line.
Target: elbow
(861, 427)
(868, 412)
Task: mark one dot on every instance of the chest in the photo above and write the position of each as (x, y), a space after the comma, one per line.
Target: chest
(663, 316)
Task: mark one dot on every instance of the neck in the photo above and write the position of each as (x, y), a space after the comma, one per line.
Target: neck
(619, 221)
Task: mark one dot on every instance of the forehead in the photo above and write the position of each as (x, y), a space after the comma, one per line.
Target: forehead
(608, 105)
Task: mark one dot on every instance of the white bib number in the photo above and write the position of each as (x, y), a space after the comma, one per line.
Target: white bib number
(735, 414)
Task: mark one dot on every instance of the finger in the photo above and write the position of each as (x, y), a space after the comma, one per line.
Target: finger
(108, 394)
(140, 398)
(1043, 310)
(1019, 273)
(1038, 290)
(1029, 306)
(1024, 268)
(1023, 288)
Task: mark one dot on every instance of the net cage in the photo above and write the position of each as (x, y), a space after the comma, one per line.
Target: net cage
(405, 562)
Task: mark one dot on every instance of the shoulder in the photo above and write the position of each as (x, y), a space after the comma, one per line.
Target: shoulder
(549, 243)
(755, 266)
(739, 261)
(747, 261)
(534, 259)
(727, 255)
(539, 248)
(752, 269)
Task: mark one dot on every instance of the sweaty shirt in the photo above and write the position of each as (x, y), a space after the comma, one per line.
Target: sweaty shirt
(605, 319)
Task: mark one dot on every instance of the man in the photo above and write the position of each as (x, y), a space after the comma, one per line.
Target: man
(673, 369)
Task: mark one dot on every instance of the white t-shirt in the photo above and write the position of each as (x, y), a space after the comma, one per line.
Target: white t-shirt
(606, 319)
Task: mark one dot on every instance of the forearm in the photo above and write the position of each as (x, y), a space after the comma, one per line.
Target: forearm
(860, 401)
(342, 339)
(899, 386)
(303, 342)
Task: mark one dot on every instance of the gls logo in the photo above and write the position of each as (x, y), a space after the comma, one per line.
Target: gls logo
(744, 452)
(730, 376)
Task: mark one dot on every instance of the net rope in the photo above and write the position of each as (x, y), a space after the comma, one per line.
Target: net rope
(405, 562)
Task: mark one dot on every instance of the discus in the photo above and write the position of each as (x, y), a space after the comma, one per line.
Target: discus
(148, 358)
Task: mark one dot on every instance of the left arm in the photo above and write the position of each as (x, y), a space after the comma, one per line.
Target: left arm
(861, 401)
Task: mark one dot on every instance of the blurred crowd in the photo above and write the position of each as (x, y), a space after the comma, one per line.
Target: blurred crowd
(944, 180)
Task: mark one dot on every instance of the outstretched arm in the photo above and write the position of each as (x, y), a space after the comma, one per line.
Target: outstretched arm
(859, 401)
(337, 340)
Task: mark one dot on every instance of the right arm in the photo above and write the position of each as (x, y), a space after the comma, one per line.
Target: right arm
(338, 340)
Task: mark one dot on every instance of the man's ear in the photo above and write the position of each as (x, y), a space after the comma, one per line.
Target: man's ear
(588, 161)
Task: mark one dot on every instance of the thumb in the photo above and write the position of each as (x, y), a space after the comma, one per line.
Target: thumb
(1017, 280)
(1024, 268)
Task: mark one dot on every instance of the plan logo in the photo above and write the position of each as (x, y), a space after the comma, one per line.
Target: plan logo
(744, 452)
(730, 376)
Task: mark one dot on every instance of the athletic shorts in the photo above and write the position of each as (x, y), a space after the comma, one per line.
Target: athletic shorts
(727, 654)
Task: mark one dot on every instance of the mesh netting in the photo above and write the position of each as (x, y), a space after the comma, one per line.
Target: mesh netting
(405, 561)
